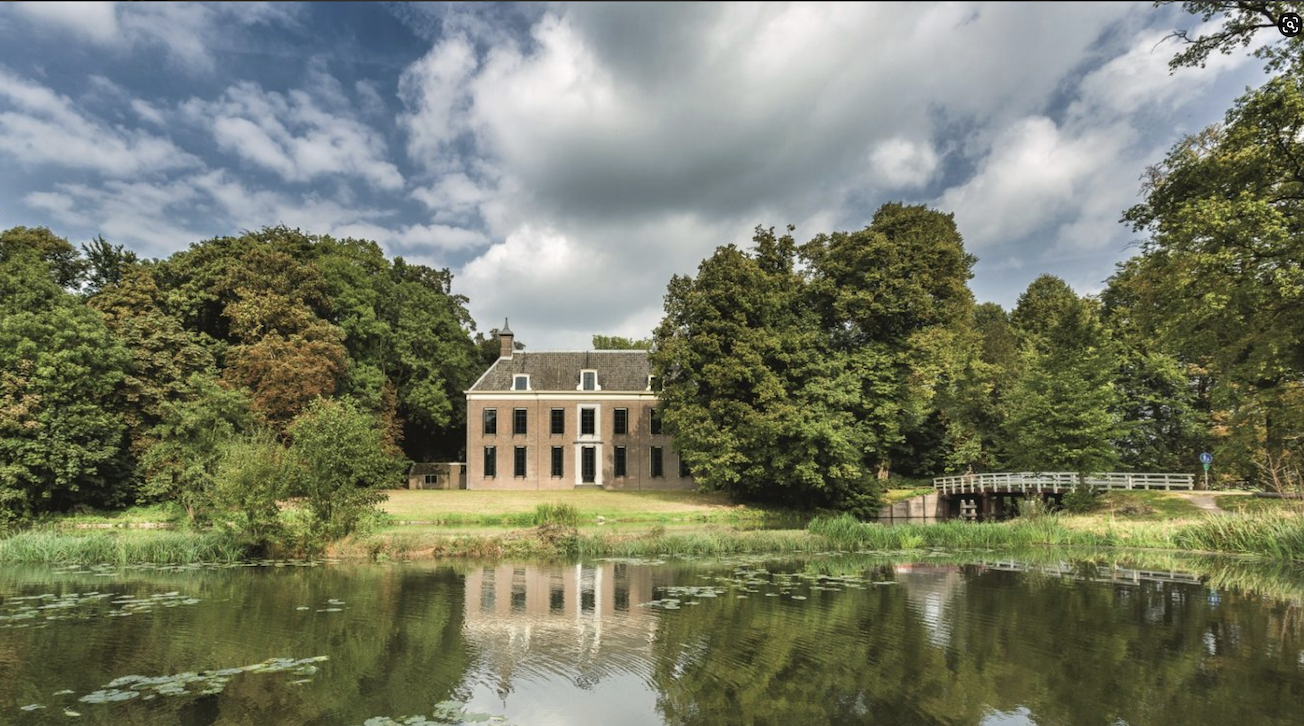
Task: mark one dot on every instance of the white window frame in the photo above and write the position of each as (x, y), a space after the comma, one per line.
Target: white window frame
(597, 386)
(517, 378)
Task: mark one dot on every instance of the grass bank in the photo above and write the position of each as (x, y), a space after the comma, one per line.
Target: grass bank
(556, 526)
(1276, 536)
(118, 547)
(470, 508)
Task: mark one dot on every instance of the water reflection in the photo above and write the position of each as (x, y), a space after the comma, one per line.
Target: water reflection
(1048, 638)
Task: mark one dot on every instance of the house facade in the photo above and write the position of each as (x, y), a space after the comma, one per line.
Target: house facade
(567, 419)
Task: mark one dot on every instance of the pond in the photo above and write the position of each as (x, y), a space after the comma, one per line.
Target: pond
(923, 638)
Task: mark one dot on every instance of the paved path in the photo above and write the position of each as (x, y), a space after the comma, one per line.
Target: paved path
(1205, 502)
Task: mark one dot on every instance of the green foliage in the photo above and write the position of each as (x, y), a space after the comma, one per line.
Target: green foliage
(189, 441)
(106, 264)
(1080, 500)
(615, 342)
(1240, 23)
(1220, 284)
(253, 475)
(163, 354)
(557, 514)
(1062, 409)
(307, 316)
(60, 368)
(894, 308)
(62, 264)
(340, 466)
(756, 404)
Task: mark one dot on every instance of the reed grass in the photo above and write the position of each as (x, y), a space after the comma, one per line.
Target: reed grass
(558, 514)
(154, 547)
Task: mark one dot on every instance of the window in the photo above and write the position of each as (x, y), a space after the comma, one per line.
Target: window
(520, 382)
(518, 421)
(491, 461)
(656, 422)
(432, 478)
(588, 464)
(558, 421)
(587, 427)
(653, 383)
(621, 421)
(589, 381)
(518, 463)
(556, 461)
(683, 468)
(621, 460)
(491, 420)
(658, 462)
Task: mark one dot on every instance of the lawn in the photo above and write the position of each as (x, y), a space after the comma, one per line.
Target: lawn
(1249, 504)
(463, 507)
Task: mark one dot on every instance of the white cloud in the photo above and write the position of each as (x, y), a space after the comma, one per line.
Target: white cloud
(183, 30)
(902, 164)
(1033, 174)
(433, 89)
(142, 214)
(43, 127)
(300, 136)
(95, 21)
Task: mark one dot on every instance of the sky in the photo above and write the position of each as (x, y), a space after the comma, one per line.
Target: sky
(564, 161)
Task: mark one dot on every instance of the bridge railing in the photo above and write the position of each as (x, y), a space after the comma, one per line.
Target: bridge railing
(1141, 481)
(1057, 481)
(1025, 481)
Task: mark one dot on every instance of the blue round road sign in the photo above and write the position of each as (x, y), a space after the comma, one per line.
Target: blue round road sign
(1206, 458)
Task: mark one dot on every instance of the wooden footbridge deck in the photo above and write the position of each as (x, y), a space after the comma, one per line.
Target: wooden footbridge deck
(1034, 482)
(996, 495)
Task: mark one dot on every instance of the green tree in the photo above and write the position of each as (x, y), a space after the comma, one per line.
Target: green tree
(1164, 399)
(1062, 409)
(616, 342)
(303, 316)
(60, 440)
(894, 304)
(106, 264)
(188, 443)
(253, 474)
(756, 404)
(1240, 23)
(341, 466)
(1221, 274)
(65, 266)
(163, 355)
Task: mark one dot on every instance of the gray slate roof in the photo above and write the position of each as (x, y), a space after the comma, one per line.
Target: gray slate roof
(618, 370)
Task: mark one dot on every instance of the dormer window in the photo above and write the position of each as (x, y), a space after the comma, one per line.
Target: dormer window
(520, 382)
(589, 381)
(653, 383)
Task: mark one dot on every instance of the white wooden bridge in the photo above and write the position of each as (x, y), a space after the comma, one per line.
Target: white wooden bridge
(1056, 482)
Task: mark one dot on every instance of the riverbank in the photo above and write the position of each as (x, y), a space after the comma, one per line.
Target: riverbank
(674, 524)
(1277, 536)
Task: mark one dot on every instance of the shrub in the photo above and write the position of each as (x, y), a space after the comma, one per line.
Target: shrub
(556, 514)
(1080, 500)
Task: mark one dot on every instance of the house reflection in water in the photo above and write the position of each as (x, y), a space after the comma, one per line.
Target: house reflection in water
(582, 622)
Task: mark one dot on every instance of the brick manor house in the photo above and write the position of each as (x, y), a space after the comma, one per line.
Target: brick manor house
(567, 419)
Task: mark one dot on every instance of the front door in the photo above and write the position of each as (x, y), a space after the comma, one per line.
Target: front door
(588, 464)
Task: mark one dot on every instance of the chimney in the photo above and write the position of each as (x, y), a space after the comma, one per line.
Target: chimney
(505, 341)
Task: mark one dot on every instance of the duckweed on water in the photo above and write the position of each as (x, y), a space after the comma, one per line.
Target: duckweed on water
(21, 612)
(191, 683)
